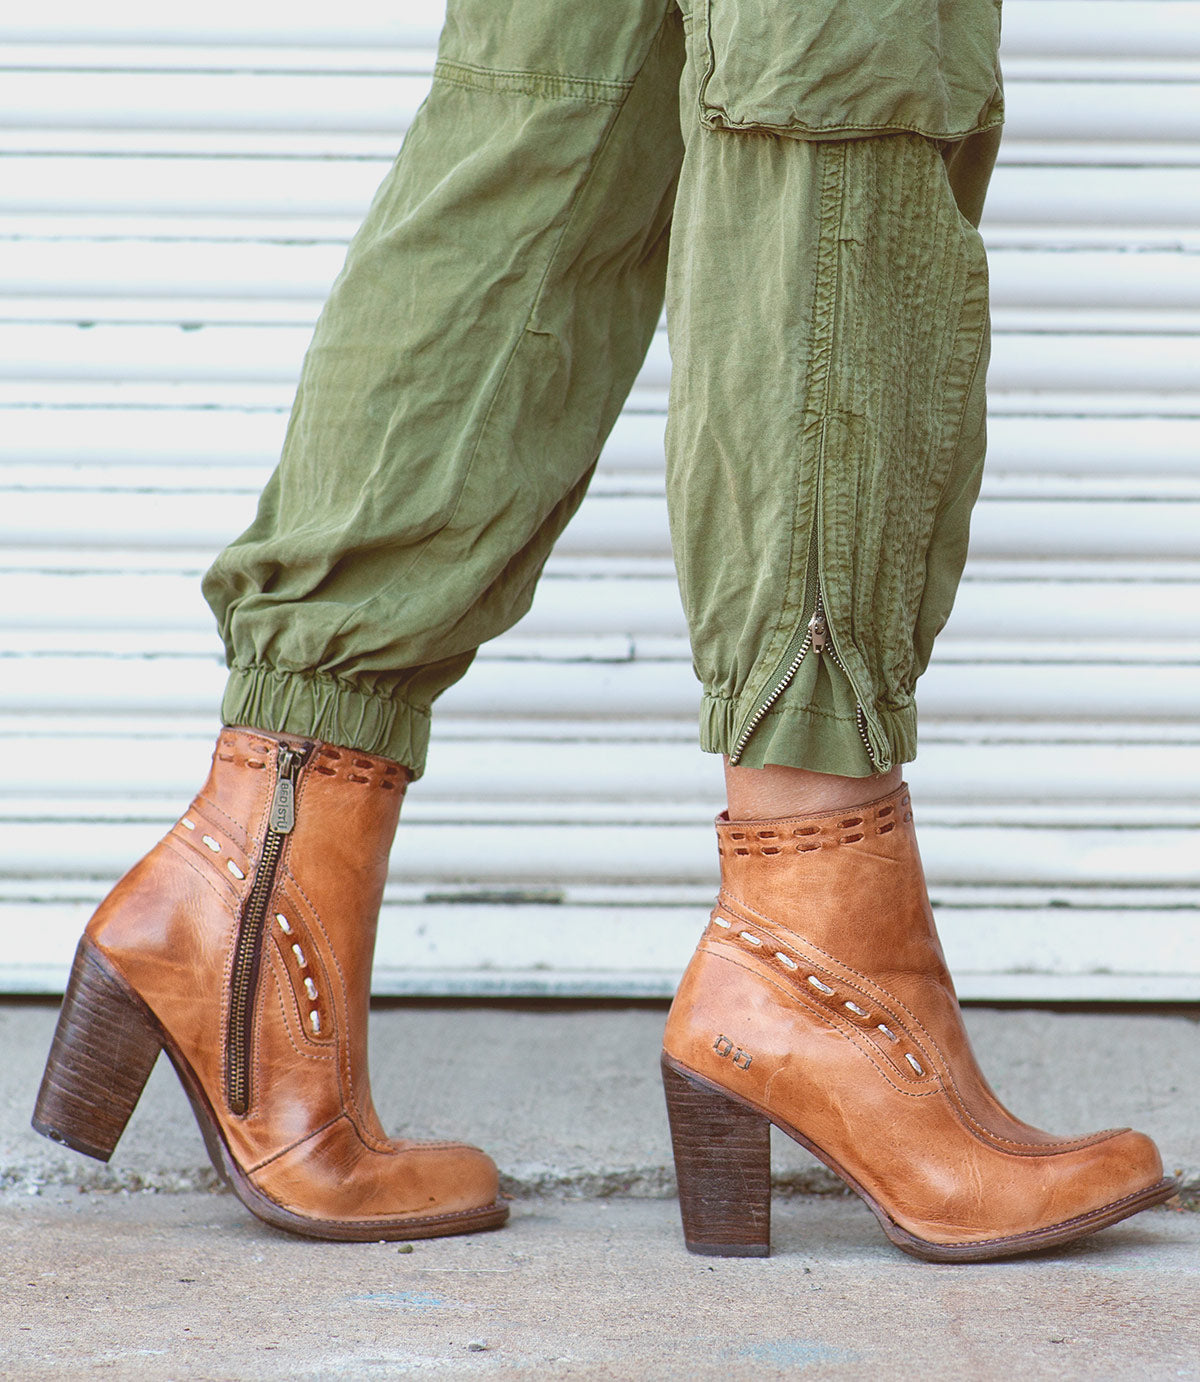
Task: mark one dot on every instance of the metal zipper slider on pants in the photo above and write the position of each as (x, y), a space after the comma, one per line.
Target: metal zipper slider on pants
(247, 957)
(817, 639)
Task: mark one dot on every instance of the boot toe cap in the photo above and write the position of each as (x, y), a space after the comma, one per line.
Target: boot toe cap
(460, 1177)
(336, 1182)
(1129, 1162)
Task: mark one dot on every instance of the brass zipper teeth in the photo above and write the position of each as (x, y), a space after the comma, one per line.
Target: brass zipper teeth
(784, 682)
(248, 953)
(819, 638)
(860, 715)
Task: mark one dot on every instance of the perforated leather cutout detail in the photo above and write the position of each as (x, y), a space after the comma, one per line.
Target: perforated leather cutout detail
(783, 839)
(298, 960)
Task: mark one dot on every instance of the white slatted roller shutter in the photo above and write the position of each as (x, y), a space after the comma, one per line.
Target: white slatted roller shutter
(176, 195)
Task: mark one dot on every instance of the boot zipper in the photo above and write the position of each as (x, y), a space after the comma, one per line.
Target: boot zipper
(247, 956)
(818, 639)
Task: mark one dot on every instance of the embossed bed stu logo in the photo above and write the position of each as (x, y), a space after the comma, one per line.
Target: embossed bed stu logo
(724, 1047)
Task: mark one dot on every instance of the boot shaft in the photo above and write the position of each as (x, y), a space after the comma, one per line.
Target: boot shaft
(249, 931)
(849, 882)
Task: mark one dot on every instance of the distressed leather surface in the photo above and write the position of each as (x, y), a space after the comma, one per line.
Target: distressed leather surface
(310, 1139)
(821, 971)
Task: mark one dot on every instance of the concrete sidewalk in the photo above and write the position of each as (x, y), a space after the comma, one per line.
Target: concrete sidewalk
(590, 1279)
(188, 1287)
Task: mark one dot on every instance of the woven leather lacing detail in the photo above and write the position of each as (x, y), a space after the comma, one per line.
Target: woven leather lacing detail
(778, 839)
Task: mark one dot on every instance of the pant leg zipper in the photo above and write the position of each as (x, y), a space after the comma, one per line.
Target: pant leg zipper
(818, 639)
(784, 682)
(247, 956)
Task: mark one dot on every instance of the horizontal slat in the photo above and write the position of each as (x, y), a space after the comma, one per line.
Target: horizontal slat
(363, 23)
(625, 469)
(217, 395)
(374, 104)
(178, 444)
(272, 355)
(1125, 198)
(581, 780)
(182, 442)
(407, 51)
(131, 646)
(205, 311)
(574, 854)
(1102, 28)
(1102, 111)
(1033, 611)
(606, 523)
(1117, 28)
(220, 312)
(366, 103)
(395, 58)
(1067, 952)
(612, 685)
(204, 188)
(1154, 29)
(115, 142)
(1159, 65)
(195, 281)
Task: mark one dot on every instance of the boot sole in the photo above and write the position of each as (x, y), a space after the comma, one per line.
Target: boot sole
(703, 1210)
(104, 1048)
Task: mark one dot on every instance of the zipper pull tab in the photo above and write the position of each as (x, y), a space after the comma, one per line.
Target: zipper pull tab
(282, 819)
(818, 631)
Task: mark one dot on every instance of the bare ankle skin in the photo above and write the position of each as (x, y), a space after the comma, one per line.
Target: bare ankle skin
(763, 794)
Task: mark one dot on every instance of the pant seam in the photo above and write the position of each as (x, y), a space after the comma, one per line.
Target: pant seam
(598, 90)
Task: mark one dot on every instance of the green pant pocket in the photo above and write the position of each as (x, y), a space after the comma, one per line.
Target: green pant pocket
(833, 69)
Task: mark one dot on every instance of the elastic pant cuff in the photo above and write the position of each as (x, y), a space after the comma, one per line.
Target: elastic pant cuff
(797, 736)
(321, 707)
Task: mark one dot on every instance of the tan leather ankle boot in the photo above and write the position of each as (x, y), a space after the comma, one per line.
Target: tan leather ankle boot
(819, 1000)
(242, 944)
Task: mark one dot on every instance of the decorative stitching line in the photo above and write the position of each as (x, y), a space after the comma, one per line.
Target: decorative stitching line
(345, 1065)
(326, 1054)
(597, 90)
(799, 131)
(868, 1053)
(944, 1073)
(233, 828)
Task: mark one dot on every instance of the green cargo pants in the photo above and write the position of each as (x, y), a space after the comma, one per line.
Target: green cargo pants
(804, 181)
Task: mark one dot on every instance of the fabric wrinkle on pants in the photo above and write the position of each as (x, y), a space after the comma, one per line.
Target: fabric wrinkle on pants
(827, 306)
